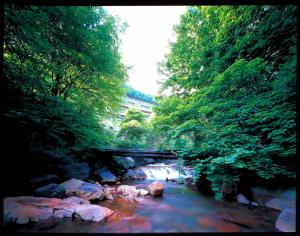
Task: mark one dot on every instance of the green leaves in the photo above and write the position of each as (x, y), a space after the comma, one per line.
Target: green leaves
(233, 90)
(63, 70)
(133, 128)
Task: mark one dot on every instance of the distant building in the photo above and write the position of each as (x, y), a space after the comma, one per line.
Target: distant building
(138, 103)
(133, 99)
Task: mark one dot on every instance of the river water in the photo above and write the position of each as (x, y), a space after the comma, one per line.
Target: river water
(181, 209)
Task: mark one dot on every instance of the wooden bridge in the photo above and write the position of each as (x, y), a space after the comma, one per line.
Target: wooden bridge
(143, 153)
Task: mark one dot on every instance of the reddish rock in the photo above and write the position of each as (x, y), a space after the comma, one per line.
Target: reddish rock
(156, 188)
(76, 200)
(22, 210)
(92, 212)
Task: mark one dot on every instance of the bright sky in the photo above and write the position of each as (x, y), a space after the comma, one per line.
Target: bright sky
(145, 41)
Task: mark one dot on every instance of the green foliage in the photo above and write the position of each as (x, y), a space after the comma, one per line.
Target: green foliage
(62, 73)
(136, 131)
(132, 129)
(232, 74)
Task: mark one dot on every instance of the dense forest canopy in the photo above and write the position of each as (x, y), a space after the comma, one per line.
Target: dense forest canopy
(62, 74)
(232, 73)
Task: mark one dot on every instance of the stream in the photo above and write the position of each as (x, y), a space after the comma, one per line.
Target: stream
(181, 209)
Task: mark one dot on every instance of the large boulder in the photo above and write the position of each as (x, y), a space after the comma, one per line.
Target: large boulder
(125, 162)
(83, 189)
(76, 170)
(92, 212)
(77, 200)
(286, 221)
(71, 186)
(51, 190)
(263, 195)
(156, 188)
(26, 209)
(280, 204)
(91, 191)
(128, 191)
(135, 174)
(106, 176)
(44, 179)
(283, 200)
(21, 210)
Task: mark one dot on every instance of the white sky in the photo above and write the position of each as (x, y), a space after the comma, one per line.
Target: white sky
(145, 41)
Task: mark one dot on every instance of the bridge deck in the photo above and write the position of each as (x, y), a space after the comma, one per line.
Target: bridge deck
(151, 153)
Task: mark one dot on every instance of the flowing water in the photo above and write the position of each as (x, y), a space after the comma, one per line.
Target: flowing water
(181, 209)
(161, 171)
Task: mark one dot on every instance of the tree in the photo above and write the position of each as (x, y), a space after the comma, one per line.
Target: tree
(132, 128)
(232, 73)
(62, 74)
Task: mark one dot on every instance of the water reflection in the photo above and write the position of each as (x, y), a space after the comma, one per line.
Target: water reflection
(180, 209)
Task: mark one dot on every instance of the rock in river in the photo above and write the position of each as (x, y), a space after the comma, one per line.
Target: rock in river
(106, 176)
(125, 162)
(283, 200)
(277, 199)
(242, 199)
(286, 221)
(156, 188)
(128, 191)
(26, 209)
(51, 190)
(135, 174)
(83, 189)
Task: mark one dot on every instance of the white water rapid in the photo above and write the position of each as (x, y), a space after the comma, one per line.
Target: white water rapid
(161, 171)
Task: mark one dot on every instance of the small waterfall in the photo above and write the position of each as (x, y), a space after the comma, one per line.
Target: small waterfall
(161, 171)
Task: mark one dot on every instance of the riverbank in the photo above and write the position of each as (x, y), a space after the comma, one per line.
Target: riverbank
(181, 208)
